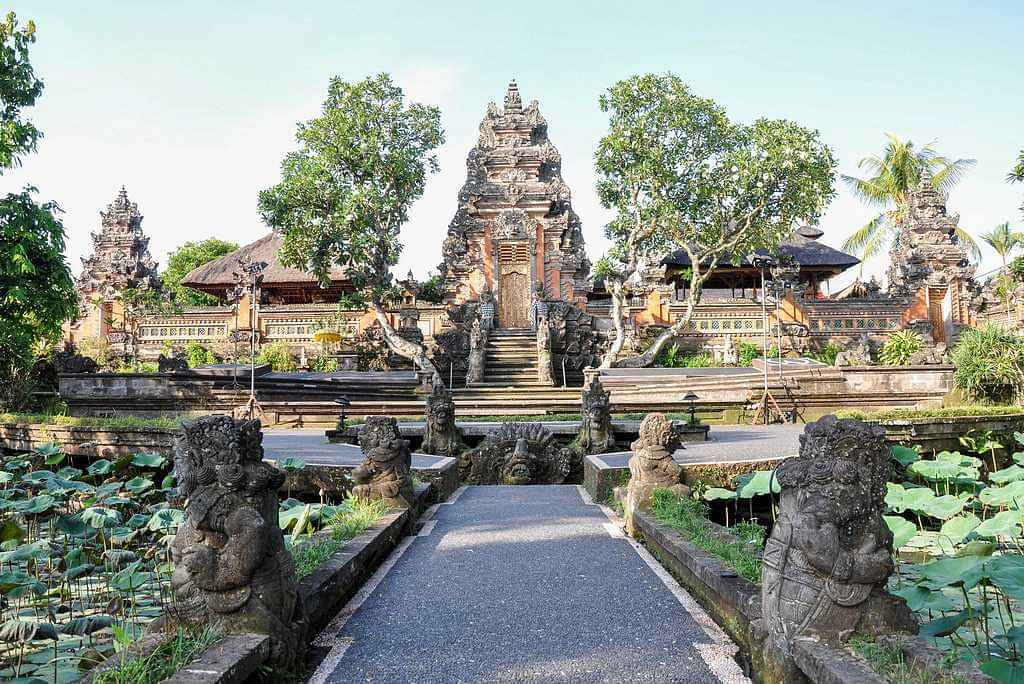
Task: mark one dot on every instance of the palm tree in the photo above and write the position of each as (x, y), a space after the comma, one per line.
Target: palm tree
(892, 177)
(1002, 240)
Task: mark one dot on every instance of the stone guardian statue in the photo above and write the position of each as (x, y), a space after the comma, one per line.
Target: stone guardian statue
(231, 566)
(651, 466)
(596, 434)
(829, 555)
(385, 473)
(442, 437)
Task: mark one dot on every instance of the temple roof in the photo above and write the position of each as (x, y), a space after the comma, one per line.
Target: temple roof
(807, 251)
(218, 274)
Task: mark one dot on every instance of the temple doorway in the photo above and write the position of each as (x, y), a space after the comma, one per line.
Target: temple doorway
(514, 300)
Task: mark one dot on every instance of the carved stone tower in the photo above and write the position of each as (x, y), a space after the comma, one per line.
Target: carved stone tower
(930, 266)
(120, 259)
(515, 229)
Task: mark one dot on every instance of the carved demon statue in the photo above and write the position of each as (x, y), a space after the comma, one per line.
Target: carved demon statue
(829, 556)
(596, 433)
(651, 466)
(385, 472)
(520, 453)
(441, 437)
(230, 562)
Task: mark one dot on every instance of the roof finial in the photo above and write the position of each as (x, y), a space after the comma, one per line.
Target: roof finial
(512, 99)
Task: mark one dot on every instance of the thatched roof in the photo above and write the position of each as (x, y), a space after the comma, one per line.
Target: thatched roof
(217, 275)
(803, 245)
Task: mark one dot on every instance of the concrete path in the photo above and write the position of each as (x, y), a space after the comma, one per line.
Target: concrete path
(523, 584)
(728, 443)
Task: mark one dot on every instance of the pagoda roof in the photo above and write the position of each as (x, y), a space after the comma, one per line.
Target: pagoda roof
(217, 275)
(807, 251)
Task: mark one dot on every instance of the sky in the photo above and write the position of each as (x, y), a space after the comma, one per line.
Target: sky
(192, 105)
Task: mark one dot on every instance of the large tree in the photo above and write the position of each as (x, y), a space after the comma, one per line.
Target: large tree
(1016, 174)
(887, 187)
(184, 260)
(37, 294)
(681, 175)
(1002, 239)
(346, 191)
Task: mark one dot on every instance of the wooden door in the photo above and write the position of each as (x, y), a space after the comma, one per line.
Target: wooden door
(514, 304)
(936, 313)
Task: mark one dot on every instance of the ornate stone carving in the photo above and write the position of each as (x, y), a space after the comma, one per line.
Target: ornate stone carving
(520, 453)
(829, 556)
(477, 353)
(441, 437)
(651, 466)
(596, 434)
(513, 187)
(858, 355)
(544, 372)
(230, 563)
(385, 472)
(69, 360)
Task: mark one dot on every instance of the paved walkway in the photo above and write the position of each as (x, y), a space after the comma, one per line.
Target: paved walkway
(523, 584)
(728, 443)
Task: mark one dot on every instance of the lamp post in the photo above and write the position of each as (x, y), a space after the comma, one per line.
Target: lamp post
(249, 277)
(764, 262)
(692, 399)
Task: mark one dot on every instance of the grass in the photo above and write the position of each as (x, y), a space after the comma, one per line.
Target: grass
(946, 412)
(164, 661)
(90, 421)
(359, 515)
(687, 516)
(887, 660)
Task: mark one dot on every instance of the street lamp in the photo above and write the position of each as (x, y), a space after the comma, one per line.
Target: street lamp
(763, 262)
(249, 278)
(692, 399)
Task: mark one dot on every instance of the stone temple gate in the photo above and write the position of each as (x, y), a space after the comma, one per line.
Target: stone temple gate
(515, 230)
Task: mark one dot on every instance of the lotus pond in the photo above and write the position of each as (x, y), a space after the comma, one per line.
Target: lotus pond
(958, 527)
(84, 555)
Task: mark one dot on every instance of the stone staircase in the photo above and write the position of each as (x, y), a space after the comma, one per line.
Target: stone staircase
(510, 384)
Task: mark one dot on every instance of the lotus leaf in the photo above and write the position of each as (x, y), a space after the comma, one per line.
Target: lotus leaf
(79, 571)
(11, 530)
(757, 483)
(718, 493)
(957, 528)
(119, 558)
(87, 625)
(130, 578)
(905, 455)
(145, 459)
(945, 626)
(1010, 474)
(1002, 524)
(291, 517)
(70, 473)
(22, 631)
(6, 477)
(166, 519)
(137, 485)
(37, 477)
(100, 467)
(1003, 671)
(921, 598)
(944, 507)
(1002, 496)
(947, 465)
(291, 463)
(948, 572)
(1007, 573)
(902, 499)
(71, 525)
(100, 517)
(902, 530)
(977, 547)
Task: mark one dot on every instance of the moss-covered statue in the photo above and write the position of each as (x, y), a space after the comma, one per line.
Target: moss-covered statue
(596, 435)
(520, 453)
(230, 563)
(829, 556)
(651, 466)
(386, 470)
(441, 437)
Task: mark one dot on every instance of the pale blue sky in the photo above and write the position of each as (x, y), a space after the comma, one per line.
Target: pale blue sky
(191, 105)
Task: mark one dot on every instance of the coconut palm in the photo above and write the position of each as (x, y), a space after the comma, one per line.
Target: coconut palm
(1002, 240)
(892, 177)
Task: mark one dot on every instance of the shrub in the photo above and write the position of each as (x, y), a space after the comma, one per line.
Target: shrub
(747, 352)
(324, 363)
(279, 356)
(433, 289)
(97, 349)
(826, 355)
(990, 365)
(198, 355)
(674, 357)
(899, 347)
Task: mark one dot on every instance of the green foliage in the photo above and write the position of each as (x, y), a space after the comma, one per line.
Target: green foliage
(432, 290)
(899, 346)
(279, 356)
(198, 355)
(890, 179)
(20, 89)
(990, 365)
(674, 357)
(187, 258)
(345, 193)
(826, 355)
(746, 353)
(946, 412)
(741, 552)
(1002, 240)
(89, 421)
(324, 363)
(1016, 174)
(185, 647)
(887, 660)
(344, 522)
(679, 174)
(97, 349)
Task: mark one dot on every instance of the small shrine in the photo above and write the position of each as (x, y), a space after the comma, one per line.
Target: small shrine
(515, 230)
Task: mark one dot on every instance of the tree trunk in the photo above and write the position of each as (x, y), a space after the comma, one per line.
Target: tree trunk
(618, 316)
(402, 346)
(651, 353)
